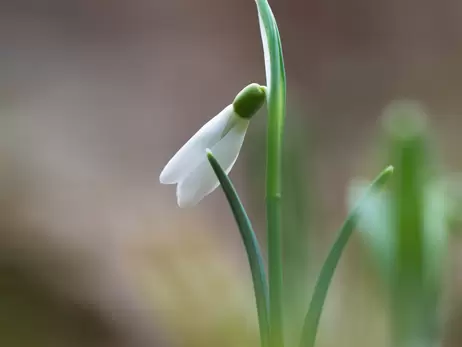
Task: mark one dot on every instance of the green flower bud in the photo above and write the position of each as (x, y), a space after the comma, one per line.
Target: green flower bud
(249, 100)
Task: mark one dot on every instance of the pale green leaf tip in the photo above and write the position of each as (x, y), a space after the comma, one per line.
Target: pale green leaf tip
(209, 153)
(389, 170)
(384, 176)
(249, 100)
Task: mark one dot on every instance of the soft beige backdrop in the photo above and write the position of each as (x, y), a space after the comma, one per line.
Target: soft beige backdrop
(96, 95)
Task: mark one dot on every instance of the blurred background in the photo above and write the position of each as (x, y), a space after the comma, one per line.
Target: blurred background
(95, 97)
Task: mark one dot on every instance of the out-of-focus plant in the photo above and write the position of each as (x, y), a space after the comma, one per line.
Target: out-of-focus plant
(219, 141)
(405, 228)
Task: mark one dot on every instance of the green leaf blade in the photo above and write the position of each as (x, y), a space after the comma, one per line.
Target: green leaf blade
(252, 248)
(276, 117)
(313, 315)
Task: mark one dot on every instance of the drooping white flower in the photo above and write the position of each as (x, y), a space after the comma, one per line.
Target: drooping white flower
(223, 135)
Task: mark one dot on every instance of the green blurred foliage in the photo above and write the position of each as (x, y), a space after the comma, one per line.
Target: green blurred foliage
(406, 229)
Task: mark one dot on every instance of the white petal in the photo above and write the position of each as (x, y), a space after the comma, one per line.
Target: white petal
(202, 180)
(191, 154)
(264, 39)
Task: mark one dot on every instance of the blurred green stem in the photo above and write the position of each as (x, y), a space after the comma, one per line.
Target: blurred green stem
(412, 310)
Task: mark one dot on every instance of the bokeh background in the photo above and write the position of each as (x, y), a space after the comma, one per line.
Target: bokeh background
(96, 95)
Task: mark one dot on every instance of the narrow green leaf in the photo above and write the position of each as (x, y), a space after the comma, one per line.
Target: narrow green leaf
(375, 224)
(276, 116)
(251, 245)
(313, 316)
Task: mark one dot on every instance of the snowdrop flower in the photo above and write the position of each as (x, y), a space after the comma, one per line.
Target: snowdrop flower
(223, 135)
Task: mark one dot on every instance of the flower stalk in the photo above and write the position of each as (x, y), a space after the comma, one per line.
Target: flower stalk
(276, 101)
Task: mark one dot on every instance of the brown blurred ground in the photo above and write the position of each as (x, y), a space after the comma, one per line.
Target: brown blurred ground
(96, 95)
